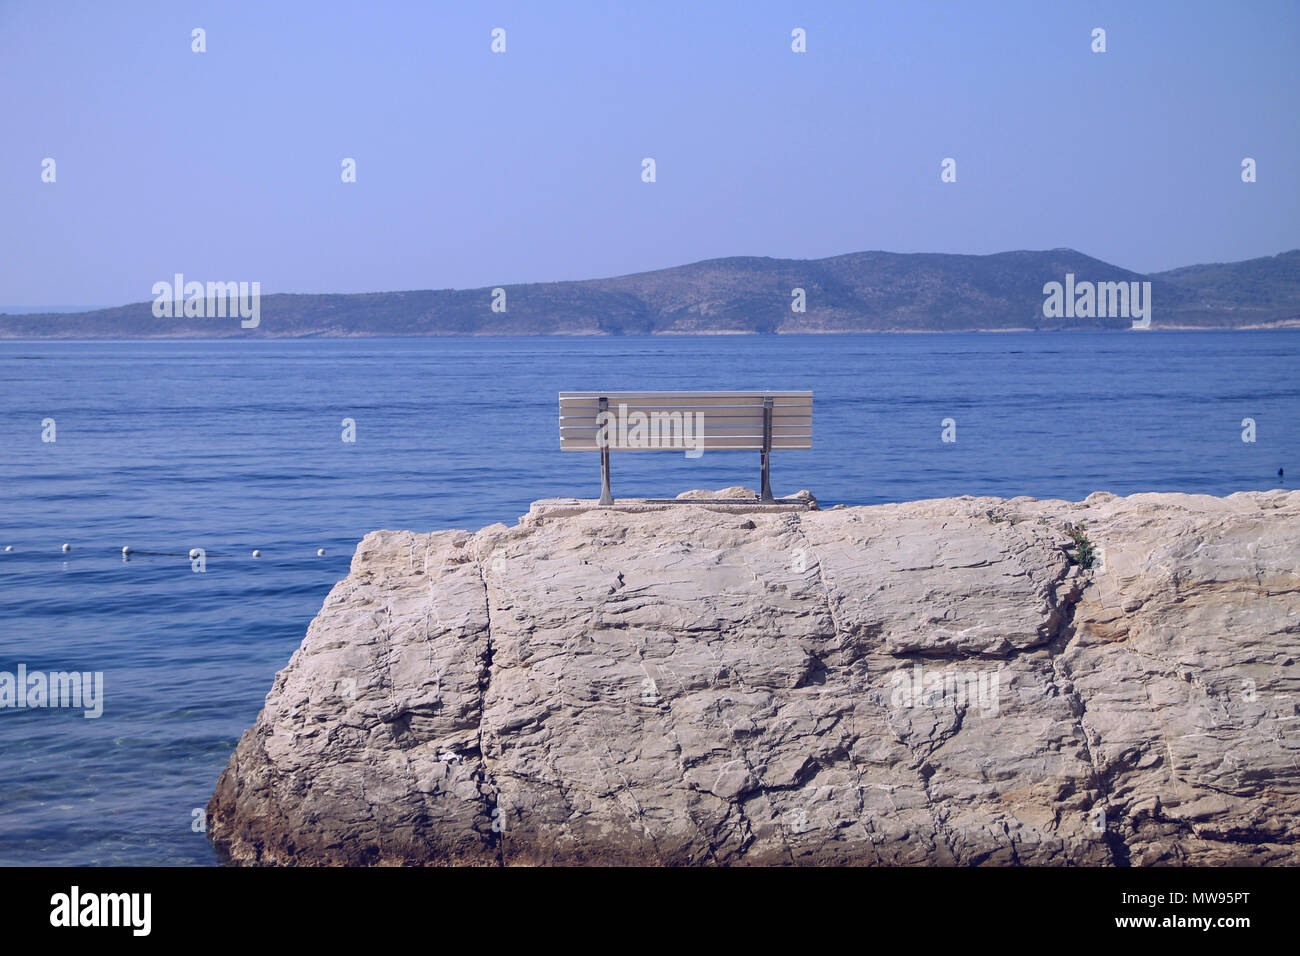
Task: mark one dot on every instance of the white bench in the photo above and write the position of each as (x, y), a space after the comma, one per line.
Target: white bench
(691, 422)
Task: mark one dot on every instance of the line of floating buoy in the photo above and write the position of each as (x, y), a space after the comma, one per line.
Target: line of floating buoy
(127, 551)
(192, 553)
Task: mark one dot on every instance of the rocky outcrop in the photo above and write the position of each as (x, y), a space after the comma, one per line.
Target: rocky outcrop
(936, 682)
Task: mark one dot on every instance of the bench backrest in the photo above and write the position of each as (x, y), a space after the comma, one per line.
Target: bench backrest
(672, 421)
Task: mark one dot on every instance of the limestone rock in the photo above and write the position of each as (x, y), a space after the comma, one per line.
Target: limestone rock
(734, 492)
(931, 682)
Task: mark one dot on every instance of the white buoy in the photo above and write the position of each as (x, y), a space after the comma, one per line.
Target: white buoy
(9, 547)
(126, 550)
(67, 547)
(320, 552)
(257, 554)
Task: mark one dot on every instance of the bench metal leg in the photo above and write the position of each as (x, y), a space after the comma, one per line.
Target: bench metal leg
(605, 497)
(766, 493)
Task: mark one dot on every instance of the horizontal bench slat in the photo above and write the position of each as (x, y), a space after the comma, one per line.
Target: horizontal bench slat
(678, 402)
(707, 443)
(590, 431)
(748, 393)
(667, 414)
(730, 418)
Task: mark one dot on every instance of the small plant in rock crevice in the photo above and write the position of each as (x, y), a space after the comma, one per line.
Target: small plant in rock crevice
(1085, 555)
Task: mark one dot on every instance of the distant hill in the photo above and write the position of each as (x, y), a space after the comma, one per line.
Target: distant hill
(1260, 289)
(35, 310)
(859, 292)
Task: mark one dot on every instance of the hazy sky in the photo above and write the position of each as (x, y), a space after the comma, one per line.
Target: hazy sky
(475, 168)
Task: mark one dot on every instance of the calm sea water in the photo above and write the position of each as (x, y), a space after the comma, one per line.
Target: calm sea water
(235, 445)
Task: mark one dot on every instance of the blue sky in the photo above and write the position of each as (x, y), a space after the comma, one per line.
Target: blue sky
(475, 168)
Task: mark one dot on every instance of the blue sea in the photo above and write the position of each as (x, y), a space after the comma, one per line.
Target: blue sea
(236, 445)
